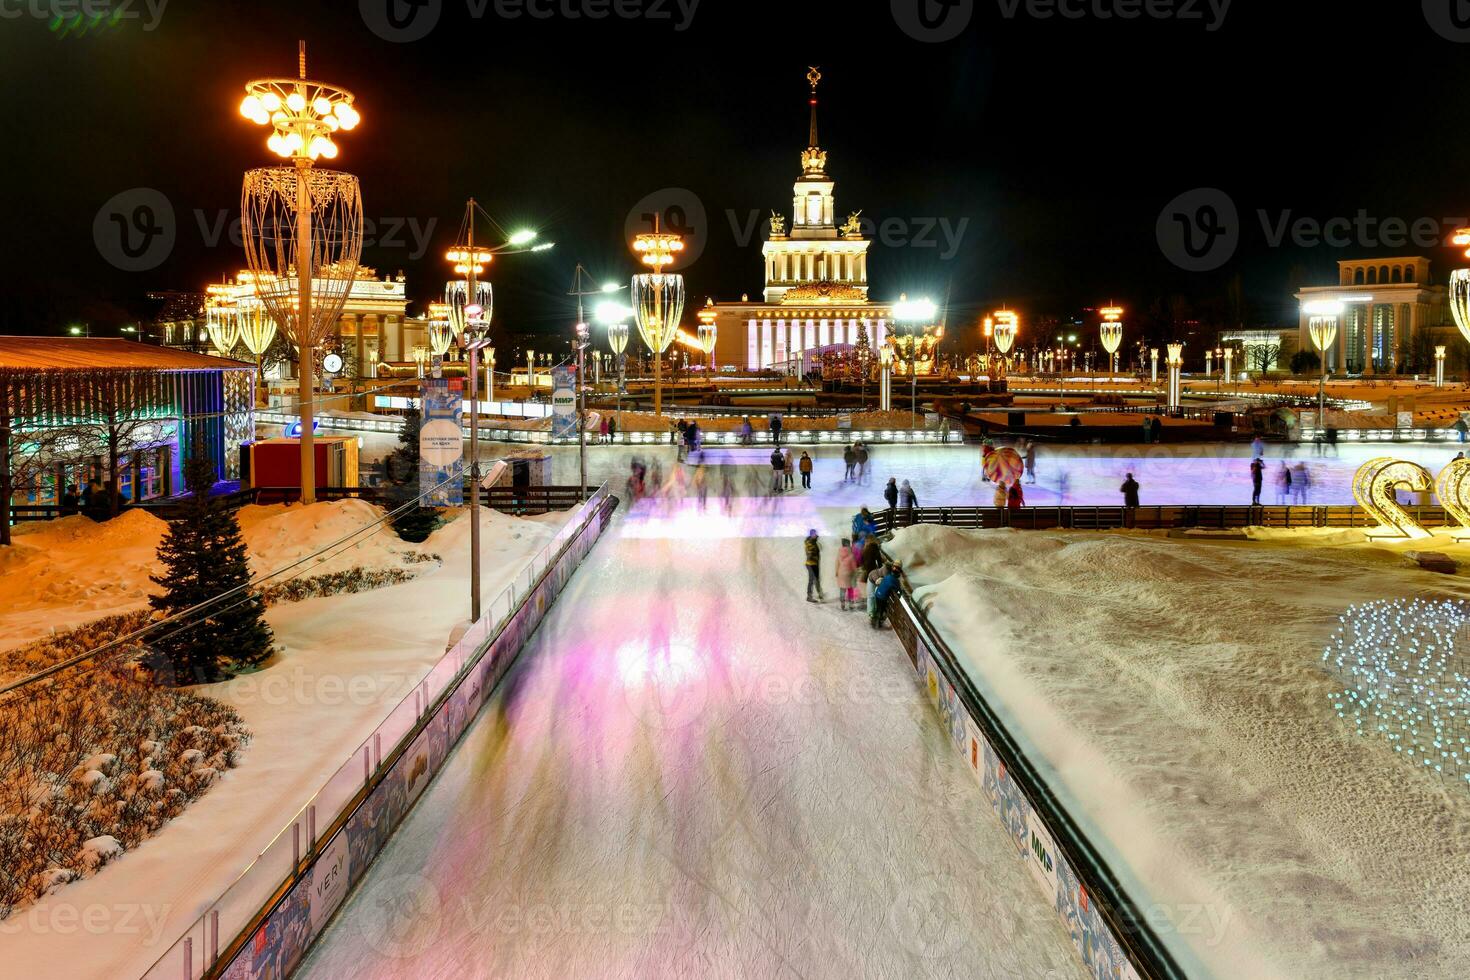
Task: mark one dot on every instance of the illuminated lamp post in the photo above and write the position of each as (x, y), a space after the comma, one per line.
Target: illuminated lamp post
(1176, 365)
(708, 332)
(615, 317)
(1439, 355)
(1209, 364)
(221, 318)
(1111, 333)
(1007, 326)
(582, 336)
(885, 383)
(658, 300)
(914, 315)
(441, 334)
(1153, 356)
(257, 331)
(421, 354)
(489, 374)
(1323, 317)
(1460, 288)
(531, 374)
(1229, 356)
(302, 226)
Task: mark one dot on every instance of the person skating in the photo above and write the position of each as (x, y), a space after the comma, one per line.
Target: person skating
(1300, 482)
(861, 451)
(1000, 494)
(1258, 447)
(778, 471)
(775, 424)
(1130, 492)
(1258, 476)
(1283, 485)
(788, 469)
(1016, 497)
(806, 470)
(1157, 429)
(813, 548)
(846, 572)
(884, 593)
(863, 525)
(890, 493)
(907, 499)
(849, 462)
(1030, 460)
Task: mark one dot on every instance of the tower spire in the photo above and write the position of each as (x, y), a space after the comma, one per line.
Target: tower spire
(813, 76)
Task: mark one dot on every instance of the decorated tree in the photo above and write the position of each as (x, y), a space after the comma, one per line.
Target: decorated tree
(417, 522)
(204, 558)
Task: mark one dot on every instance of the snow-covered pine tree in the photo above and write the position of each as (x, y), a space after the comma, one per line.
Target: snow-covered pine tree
(203, 556)
(416, 523)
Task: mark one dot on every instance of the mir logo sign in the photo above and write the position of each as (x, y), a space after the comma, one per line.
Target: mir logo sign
(1042, 856)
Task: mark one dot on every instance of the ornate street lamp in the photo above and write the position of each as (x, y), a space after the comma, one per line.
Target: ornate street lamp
(915, 316)
(221, 318)
(1439, 355)
(441, 332)
(1153, 356)
(658, 299)
(615, 317)
(302, 226)
(885, 387)
(709, 331)
(1323, 317)
(257, 331)
(1176, 365)
(1111, 333)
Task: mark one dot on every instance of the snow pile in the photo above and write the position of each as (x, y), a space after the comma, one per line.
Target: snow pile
(1174, 695)
(96, 761)
(71, 570)
(282, 534)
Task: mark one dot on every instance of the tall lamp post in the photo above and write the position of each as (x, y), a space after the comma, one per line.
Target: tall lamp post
(658, 300)
(1323, 317)
(709, 332)
(1007, 327)
(615, 316)
(1439, 355)
(1176, 365)
(885, 382)
(914, 315)
(257, 330)
(302, 227)
(1111, 333)
(1153, 356)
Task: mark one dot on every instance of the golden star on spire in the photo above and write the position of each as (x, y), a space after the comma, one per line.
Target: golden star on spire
(813, 75)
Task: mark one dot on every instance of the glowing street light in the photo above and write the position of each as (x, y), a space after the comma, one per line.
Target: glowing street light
(1323, 316)
(1111, 332)
(658, 299)
(1176, 366)
(708, 331)
(302, 227)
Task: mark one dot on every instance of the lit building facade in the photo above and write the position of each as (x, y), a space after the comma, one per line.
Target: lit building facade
(1394, 316)
(816, 280)
(374, 326)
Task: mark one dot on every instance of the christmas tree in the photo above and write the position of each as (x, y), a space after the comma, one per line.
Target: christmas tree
(203, 556)
(415, 523)
(863, 355)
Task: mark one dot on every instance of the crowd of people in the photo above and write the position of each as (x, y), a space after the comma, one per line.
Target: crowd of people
(865, 580)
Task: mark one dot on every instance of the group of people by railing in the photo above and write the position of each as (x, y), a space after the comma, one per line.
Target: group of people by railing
(864, 578)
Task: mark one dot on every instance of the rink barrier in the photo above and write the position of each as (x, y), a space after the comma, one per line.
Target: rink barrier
(270, 915)
(1108, 931)
(1181, 517)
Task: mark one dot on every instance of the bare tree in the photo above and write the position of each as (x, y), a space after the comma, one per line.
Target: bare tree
(1262, 357)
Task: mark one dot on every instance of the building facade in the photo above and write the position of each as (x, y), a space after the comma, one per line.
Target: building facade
(1394, 316)
(72, 402)
(816, 279)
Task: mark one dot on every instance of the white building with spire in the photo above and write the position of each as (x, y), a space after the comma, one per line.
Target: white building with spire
(816, 277)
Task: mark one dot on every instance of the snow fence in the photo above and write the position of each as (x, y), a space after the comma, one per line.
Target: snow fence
(264, 923)
(1107, 929)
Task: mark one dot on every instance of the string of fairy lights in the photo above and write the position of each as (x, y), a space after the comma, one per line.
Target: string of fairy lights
(1405, 680)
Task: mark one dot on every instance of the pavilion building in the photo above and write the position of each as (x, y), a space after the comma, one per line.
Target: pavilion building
(816, 279)
(1394, 316)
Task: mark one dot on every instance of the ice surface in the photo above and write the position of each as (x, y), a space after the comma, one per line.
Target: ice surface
(694, 773)
(1175, 694)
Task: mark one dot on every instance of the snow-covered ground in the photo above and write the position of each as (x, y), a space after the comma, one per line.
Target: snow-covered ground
(1175, 695)
(694, 773)
(344, 662)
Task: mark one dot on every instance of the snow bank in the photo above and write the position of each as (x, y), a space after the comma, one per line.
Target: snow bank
(281, 534)
(1174, 695)
(63, 573)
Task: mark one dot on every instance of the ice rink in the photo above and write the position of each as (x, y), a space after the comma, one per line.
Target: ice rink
(694, 772)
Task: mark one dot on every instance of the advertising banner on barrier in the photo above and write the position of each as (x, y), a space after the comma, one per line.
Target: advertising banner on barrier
(563, 402)
(441, 443)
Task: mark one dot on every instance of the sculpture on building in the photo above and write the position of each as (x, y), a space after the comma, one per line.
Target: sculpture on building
(778, 225)
(853, 227)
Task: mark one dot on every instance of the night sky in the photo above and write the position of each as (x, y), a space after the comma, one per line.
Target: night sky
(1050, 146)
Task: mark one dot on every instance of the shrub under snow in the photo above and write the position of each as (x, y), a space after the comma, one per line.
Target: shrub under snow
(97, 760)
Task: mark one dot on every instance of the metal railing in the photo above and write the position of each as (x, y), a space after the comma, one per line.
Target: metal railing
(1180, 517)
(1120, 915)
(264, 881)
